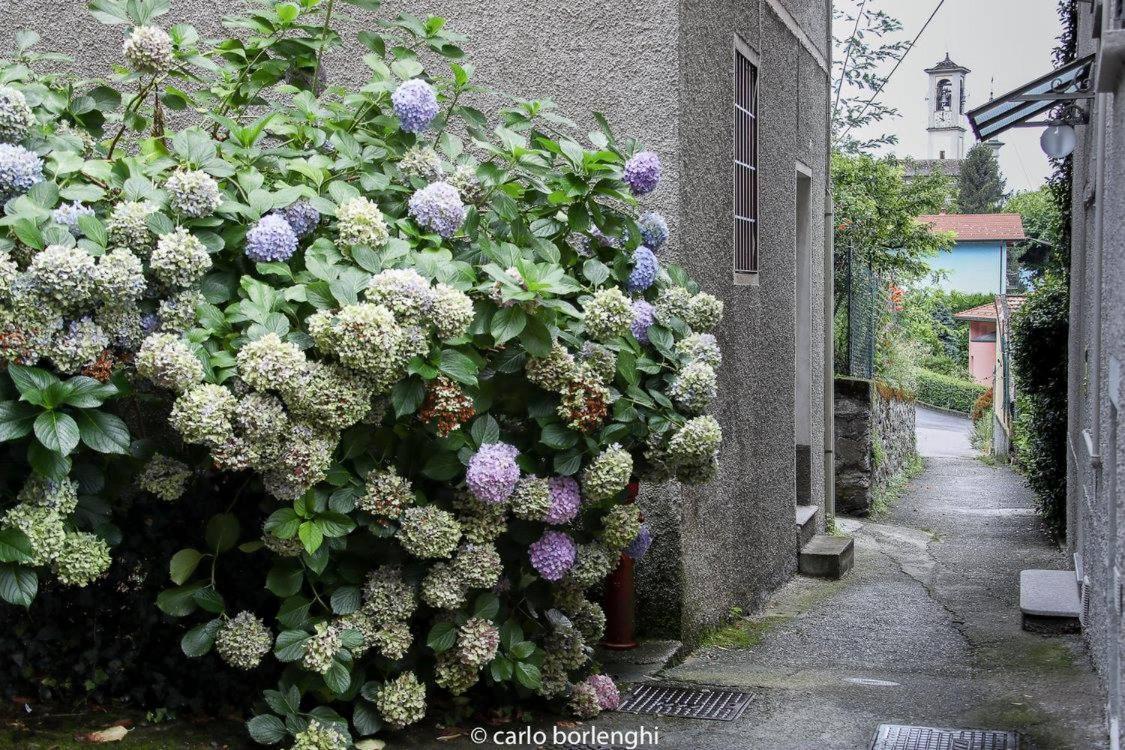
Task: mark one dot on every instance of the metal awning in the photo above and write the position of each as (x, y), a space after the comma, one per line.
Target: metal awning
(1067, 84)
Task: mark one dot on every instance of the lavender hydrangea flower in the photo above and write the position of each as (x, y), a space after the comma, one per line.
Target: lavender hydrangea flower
(438, 207)
(645, 269)
(302, 217)
(609, 698)
(553, 555)
(565, 500)
(654, 229)
(492, 474)
(415, 105)
(640, 544)
(19, 170)
(642, 172)
(68, 215)
(270, 239)
(644, 314)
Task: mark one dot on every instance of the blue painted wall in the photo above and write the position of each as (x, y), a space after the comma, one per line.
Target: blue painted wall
(972, 267)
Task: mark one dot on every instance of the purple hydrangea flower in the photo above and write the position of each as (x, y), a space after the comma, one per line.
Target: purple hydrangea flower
(553, 555)
(68, 215)
(438, 207)
(642, 172)
(644, 315)
(302, 217)
(19, 170)
(565, 500)
(149, 322)
(415, 104)
(604, 239)
(271, 239)
(492, 474)
(645, 269)
(609, 697)
(640, 544)
(654, 229)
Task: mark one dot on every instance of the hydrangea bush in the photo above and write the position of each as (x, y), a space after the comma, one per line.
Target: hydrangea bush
(410, 357)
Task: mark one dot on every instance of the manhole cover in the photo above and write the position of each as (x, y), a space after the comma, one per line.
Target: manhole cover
(896, 737)
(690, 703)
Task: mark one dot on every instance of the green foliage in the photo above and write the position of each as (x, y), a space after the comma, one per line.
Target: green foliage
(927, 318)
(945, 392)
(876, 216)
(981, 188)
(382, 349)
(857, 66)
(1042, 223)
(1040, 331)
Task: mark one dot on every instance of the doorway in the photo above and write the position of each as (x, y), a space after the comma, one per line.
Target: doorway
(802, 335)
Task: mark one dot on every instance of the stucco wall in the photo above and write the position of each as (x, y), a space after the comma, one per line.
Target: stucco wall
(1095, 512)
(661, 72)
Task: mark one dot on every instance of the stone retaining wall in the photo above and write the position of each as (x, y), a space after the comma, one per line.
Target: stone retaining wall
(874, 442)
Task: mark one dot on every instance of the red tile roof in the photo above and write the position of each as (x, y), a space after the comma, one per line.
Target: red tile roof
(987, 311)
(977, 227)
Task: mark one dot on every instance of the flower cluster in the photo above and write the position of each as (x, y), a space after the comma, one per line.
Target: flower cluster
(447, 405)
(694, 388)
(438, 207)
(642, 172)
(387, 494)
(302, 218)
(164, 477)
(149, 50)
(243, 640)
(608, 315)
(645, 270)
(16, 118)
(401, 701)
(553, 555)
(654, 229)
(565, 500)
(421, 162)
(644, 315)
(180, 259)
(415, 104)
(193, 193)
(271, 239)
(607, 474)
(360, 222)
(83, 559)
(492, 473)
(429, 532)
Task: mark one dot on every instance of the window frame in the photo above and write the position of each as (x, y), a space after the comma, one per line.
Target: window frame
(746, 261)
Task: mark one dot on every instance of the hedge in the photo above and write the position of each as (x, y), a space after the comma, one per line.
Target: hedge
(945, 392)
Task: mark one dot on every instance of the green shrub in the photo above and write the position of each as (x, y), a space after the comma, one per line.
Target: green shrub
(945, 392)
(389, 418)
(1039, 357)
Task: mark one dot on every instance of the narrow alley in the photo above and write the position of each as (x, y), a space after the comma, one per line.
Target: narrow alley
(925, 630)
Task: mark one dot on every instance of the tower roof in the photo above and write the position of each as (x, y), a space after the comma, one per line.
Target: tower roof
(947, 66)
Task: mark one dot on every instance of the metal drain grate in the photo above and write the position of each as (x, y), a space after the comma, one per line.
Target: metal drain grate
(689, 703)
(897, 737)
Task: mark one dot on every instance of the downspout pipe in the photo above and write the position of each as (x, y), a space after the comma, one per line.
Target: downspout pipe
(1094, 445)
(829, 358)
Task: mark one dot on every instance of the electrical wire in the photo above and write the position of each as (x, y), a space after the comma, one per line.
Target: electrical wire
(896, 67)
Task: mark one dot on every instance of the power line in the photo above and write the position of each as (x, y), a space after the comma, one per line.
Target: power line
(897, 64)
(847, 57)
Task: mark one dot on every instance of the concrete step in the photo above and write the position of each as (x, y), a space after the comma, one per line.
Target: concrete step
(1050, 601)
(807, 516)
(827, 556)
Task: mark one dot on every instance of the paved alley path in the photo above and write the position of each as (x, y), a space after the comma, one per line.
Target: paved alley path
(924, 630)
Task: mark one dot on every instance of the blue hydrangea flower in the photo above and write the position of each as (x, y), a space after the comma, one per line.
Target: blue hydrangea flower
(270, 239)
(415, 104)
(438, 207)
(645, 269)
(68, 215)
(654, 229)
(640, 544)
(642, 172)
(644, 315)
(302, 218)
(19, 170)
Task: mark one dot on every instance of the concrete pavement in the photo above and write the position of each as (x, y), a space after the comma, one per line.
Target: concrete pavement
(943, 435)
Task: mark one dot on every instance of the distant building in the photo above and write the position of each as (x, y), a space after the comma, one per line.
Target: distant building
(946, 124)
(979, 260)
(982, 341)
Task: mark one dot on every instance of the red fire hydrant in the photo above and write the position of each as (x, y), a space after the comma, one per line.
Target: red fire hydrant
(620, 599)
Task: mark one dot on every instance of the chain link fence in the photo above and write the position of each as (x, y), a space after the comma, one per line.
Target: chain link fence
(861, 295)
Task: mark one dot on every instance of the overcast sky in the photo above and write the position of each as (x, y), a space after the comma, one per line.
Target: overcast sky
(1005, 43)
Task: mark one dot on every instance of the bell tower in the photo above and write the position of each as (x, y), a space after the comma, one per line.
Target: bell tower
(946, 99)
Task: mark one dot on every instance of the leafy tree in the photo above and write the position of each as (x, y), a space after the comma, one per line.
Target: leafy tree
(981, 188)
(1042, 223)
(856, 80)
(876, 216)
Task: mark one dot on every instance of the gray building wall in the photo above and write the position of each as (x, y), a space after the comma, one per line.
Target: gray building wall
(661, 71)
(1095, 508)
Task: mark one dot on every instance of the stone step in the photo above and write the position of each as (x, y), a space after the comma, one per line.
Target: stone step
(806, 523)
(1050, 601)
(827, 556)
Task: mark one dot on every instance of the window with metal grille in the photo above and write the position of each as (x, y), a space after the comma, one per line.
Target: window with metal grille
(745, 159)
